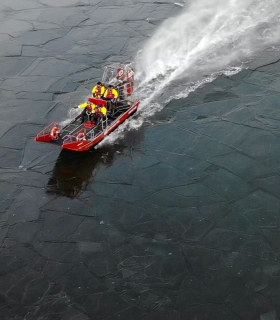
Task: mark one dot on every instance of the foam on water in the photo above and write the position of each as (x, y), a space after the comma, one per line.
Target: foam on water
(209, 38)
(72, 113)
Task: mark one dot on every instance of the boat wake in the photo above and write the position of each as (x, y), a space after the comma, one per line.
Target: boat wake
(209, 38)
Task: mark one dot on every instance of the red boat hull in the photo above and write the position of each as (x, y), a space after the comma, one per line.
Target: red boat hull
(72, 143)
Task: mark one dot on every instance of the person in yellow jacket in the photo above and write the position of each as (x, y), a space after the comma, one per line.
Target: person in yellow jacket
(88, 109)
(111, 93)
(98, 91)
(101, 109)
(98, 113)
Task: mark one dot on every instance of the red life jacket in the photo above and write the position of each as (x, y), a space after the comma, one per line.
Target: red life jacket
(110, 94)
(89, 108)
(97, 91)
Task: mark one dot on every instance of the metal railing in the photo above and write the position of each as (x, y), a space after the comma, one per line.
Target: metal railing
(47, 130)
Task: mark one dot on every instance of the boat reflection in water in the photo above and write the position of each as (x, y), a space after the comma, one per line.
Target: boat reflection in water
(73, 171)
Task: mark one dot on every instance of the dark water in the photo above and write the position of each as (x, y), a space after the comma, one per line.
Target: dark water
(178, 220)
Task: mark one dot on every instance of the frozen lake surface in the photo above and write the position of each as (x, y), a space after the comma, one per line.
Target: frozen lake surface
(176, 220)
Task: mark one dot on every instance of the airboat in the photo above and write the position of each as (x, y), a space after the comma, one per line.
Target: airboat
(79, 136)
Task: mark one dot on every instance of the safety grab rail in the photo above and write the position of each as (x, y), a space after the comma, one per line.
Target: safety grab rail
(78, 136)
(47, 130)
